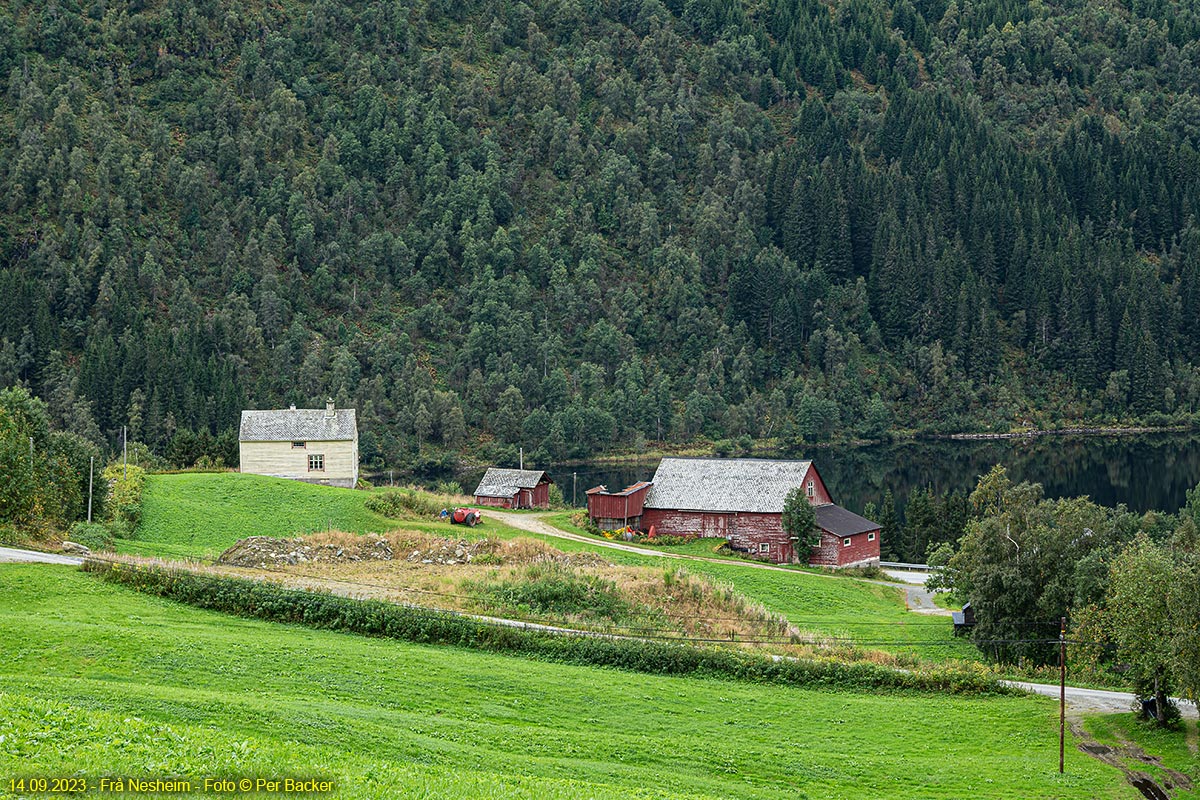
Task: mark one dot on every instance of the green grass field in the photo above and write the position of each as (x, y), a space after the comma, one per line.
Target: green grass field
(98, 680)
(200, 514)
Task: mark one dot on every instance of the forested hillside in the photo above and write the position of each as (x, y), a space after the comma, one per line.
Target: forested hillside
(576, 226)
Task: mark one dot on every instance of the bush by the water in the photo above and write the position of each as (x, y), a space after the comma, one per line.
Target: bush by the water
(375, 618)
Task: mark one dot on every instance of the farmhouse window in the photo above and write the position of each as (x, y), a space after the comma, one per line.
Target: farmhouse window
(764, 547)
(811, 488)
(870, 537)
(316, 462)
(846, 542)
(299, 445)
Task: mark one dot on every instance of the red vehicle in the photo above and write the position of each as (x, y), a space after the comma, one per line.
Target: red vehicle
(465, 516)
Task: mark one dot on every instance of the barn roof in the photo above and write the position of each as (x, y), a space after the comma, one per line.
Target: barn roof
(497, 482)
(628, 490)
(725, 484)
(841, 522)
(299, 425)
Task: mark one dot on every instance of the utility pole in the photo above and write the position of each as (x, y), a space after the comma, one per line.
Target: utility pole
(574, 483)
(1062, 692)
(125, 449)
(391, 480)
(522, 458)
(91, 475)
(31, 456)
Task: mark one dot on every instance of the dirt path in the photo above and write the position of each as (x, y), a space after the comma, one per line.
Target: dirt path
(918, 598)
(1131, 760)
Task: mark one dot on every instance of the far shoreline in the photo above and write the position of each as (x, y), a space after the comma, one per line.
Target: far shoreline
(708, 449)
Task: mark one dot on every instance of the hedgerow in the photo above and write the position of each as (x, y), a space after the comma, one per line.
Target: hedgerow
(271, 602)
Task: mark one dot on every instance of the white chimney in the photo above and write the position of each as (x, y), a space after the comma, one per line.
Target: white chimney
(293, 406)
(330, 412)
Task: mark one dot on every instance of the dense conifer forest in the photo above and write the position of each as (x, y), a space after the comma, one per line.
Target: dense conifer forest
(578, 226)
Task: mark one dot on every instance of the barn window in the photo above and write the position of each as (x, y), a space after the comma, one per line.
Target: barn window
(764, 547)
(846, 542)
(811, 489)
(299, 445)
(316, 462)
(870, 537)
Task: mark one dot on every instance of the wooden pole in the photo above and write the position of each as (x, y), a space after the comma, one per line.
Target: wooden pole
(1062, 692)
(125, 450)
(91, 475)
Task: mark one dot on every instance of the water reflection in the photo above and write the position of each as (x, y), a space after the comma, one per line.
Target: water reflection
(1145, 472)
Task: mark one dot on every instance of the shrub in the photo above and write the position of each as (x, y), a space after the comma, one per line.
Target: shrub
(581, 520)
(667, 540)
(93, 535)
(549, 587)
(871, 572)
(401, 503)
(124, 502)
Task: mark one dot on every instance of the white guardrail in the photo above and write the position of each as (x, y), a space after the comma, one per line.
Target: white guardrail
(901, 565)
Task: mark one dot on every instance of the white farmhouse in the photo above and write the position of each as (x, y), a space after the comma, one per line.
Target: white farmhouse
(306, 444)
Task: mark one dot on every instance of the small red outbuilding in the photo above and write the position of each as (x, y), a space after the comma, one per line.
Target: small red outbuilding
(612, 511)
(514, 488)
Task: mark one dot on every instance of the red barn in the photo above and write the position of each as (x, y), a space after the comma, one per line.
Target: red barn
(612, 511)
(514, 488)
(742, 500)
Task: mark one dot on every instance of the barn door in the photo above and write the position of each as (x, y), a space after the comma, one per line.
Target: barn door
(715, 525)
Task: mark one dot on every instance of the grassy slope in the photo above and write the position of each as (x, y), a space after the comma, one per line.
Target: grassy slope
(200, 514)
(842, 607)
(97, 680)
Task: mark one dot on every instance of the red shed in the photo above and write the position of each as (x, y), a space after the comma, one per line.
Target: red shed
(514, 488)
(847, 540)
(742, 500)
(614, 510)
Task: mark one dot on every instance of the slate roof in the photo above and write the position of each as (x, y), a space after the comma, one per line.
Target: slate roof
(725, 484)
(499, 482)
(298, 425)
(628, 490)
(841, 522)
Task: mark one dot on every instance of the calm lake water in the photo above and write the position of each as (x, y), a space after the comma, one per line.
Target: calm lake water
(1145, 472)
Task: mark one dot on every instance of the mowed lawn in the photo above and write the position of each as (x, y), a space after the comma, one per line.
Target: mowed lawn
(99, 680)
(201, 514)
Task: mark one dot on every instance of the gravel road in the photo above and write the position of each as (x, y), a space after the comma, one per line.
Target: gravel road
(1098, 700)
(11, 555)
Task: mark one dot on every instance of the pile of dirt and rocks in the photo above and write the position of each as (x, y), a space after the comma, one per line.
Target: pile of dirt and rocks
(267, 551)
(342, 548)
